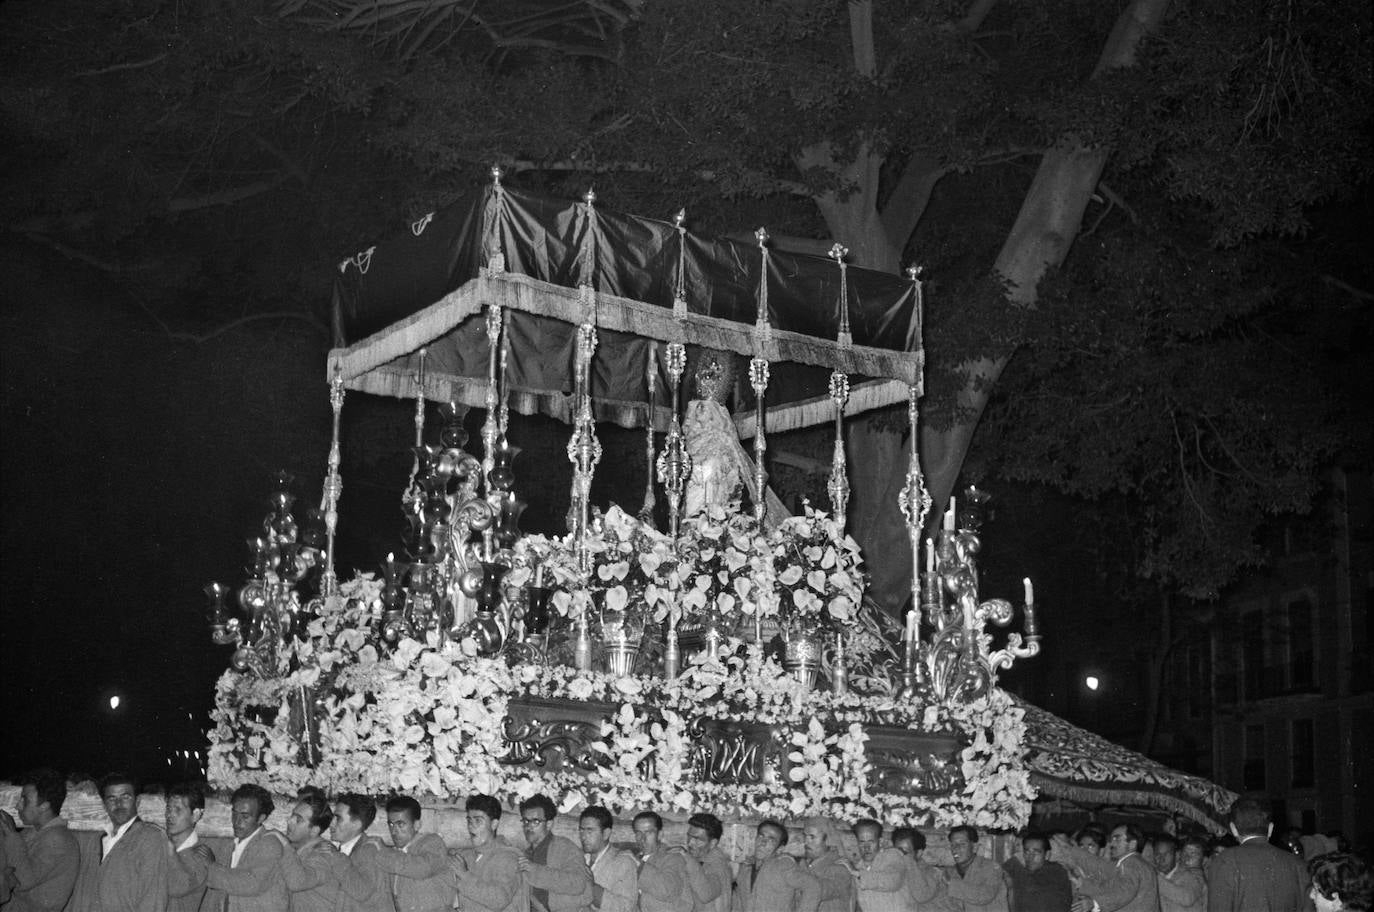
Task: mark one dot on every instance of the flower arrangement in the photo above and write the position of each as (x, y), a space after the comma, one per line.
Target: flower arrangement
(724, 570)
(816, 568)
(428, 718)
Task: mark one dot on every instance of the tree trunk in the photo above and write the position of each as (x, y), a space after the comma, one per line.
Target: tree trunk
(1045, 228)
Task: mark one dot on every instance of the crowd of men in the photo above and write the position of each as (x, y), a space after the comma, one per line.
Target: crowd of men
(325, 861)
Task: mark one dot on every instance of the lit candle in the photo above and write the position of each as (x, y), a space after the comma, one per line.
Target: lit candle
(949, 516)
(930, 555)
(911, 625)
(1030, 593)
(1032, 628)
(539, 576)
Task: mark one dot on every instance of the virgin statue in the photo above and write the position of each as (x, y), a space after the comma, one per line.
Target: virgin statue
(721, 470)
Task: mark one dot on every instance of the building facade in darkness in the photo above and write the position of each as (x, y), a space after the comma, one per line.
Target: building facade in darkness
(1292, 696)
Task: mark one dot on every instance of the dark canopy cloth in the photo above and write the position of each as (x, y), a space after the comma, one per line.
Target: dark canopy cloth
(552, 265)
(1067, 762)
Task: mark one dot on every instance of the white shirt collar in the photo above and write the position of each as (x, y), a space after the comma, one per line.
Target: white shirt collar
(348, 847)
(112, 836)
(240, 845)
(191, 842)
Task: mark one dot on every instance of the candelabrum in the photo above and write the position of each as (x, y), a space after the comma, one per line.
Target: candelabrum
(959, 660)
(281, 559)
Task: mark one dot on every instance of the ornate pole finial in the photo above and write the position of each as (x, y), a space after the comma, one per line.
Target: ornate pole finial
(497, 172)
(590, 196)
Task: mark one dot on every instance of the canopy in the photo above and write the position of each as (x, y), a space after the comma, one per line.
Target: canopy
(553, 265)
(1068, 762)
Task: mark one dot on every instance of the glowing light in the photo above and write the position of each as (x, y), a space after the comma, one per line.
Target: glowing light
(1091, 682)
(114, 702)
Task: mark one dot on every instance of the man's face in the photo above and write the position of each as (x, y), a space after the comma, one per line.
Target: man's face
(1033, 854)
(403, 829)
(646, 836)
(1166, 856)
(814, 841)
(765, 844)
(594, 838)
(535, 825)
(29, 805)
(1191, 855)
(1089, 845)
(345, 826)
(181, 817)
(121, 804)
(961, 848)
(1118, 846)
(867, 841)
(699, 842)
(905, 846)
(299, 830)
(481, 828)
(244, 817)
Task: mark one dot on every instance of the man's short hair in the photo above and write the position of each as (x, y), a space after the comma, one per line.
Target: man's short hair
(708, 822)
(970, 832)
(360, 807)
(868, 823)
(1250, 817)
(404, 804)
(911, 835)
(305, 792)
(1345, 874)
(112, 779)
(1163, 840)
(776, 827)
(540, 802)
(1034, 836)
(602, 816)
(193, 793)
(1092, 833)
(257, 794)
(49, 785)
(321, 814)
(1202, 842)
(650, 816)
(485, 804)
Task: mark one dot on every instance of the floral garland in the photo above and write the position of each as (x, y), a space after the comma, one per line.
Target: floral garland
(428, 718)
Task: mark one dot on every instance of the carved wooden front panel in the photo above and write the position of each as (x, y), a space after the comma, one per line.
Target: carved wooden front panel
(736, 753)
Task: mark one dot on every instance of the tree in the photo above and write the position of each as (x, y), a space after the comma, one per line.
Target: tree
(904, 130)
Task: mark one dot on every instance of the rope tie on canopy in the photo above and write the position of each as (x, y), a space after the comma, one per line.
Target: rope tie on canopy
(418, 226)
(362, 260)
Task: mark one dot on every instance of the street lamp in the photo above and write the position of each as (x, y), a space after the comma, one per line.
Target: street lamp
(1092, 682)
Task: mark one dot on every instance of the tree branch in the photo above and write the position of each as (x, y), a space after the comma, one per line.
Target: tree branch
(907, 203)
(861, 37)
(119, 67)
(223, 197)
(252, 318)
(973, 19)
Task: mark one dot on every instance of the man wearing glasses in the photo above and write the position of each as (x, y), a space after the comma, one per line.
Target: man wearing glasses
(558, 878)
(421, 879)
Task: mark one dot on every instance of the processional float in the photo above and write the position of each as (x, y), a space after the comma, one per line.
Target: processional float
(732, 598)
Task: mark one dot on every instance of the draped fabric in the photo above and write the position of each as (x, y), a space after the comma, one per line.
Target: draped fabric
(1068, 762)
(560, 264)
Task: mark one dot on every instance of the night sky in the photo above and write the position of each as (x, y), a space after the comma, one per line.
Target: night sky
(175, 191)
